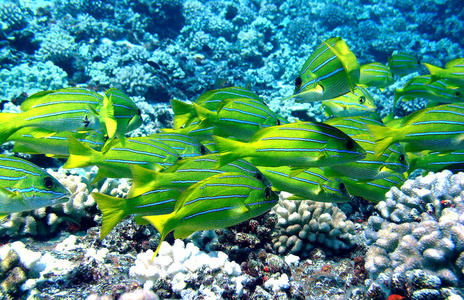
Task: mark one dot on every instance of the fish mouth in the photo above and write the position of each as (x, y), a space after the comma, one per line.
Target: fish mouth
(59, 200)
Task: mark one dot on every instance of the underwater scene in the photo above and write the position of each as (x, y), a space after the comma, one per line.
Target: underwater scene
(249, 149)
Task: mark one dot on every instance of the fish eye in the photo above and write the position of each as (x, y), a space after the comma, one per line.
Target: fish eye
(342, 187)
(458, 94)
(362, 99)
(278, 122)
(203, 150)
(298, 81)
(349, 144)
(48, 182)
(179, 158)
(402, 158)
(267, 193)
(259, 176)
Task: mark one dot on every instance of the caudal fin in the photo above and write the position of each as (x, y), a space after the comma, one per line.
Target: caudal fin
(184, 113)
(229, 150)
(144, 181)
(113, 209)
(7, 126)
(435, 72)
(80, 155)
(161, 224)
(383, 137)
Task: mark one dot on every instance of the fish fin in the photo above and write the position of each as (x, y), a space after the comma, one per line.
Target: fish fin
(229, 150)
(80, 155)
(139, 220)
(434, 72)
(113, 209)
(295, 171)
(383, 136)
(182, 233)
(101, 174)
(295, 197)
(348, 60)
(3, 215)
(108, 115)
(7, 125)
(34, 99)
(205, 115)
(184, 113)
(161, 223)
(18, 147)
(142, 180)
(240, 209)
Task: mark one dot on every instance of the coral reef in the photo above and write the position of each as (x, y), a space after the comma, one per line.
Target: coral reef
(419, 226)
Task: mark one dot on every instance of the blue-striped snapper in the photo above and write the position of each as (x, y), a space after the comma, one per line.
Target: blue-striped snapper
(330, 71)
(219, 201)
(116, 161)
(24, 186)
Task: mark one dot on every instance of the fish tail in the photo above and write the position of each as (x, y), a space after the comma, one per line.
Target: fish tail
(160, 223)
(183, 113)
(434, 72)
(7, 126)
(383, 137)
(205, 115)
(142, 181)
(229, 150)
(80, 155)
(113, 209)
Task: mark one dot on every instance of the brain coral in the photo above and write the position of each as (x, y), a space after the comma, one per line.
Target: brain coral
(420, 226)
(307, 224)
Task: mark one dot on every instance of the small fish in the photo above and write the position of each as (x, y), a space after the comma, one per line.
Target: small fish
(309, 184)
(116, 161)
(375, 74)
(299, 145)
(403, 64)
(187, 172)
(36, 141)
(439, 128)
(357, 103)
(330, 71)
(238, 119)
(69, 109)
(219, 201)
(453, 71)
(436, 92)
(186, 146)
(24, 186)
(154, 202)
(185, 113)
(373, 190)
(435, 161)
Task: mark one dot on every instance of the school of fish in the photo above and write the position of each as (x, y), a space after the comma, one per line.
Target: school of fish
(228, 155)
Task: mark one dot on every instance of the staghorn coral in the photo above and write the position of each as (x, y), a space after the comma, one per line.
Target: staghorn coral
(308, 224)
(420, 227)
